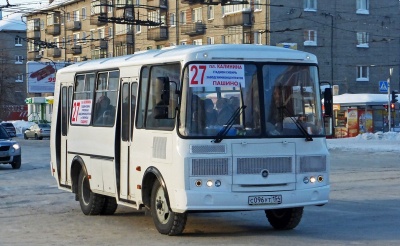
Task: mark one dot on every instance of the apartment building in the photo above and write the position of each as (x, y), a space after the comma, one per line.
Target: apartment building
(12, 67)
(356, 41)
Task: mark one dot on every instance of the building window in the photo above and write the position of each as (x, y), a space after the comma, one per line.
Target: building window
(138, 28)
(76, 38)
(68, 17)
(197, 15)
(210, 40)
(56, 43)
(172, 20)
(75, 15)
(310, 5)
(235, 8)
(19, 59)
(41, 24)
(197, 42)
(183, 42)
(110, 9)
(362, 39)
(84, 37)
(257, 37)
(362, 7)
(19, 78)
(210, 12)
(362, 73)
(257, 5)
(83, 13)
(182, 17)
(18, 41)
(310, 38)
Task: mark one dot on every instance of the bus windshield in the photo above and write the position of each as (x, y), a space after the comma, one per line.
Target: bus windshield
(251, 100)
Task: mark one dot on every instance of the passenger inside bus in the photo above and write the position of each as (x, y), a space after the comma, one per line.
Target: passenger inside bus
(211, 113)
(225, 111)
(104, 112)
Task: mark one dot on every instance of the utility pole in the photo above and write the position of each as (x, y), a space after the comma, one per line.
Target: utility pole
(389, 109)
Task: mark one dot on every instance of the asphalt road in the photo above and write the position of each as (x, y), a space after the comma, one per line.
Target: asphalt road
(363, 210)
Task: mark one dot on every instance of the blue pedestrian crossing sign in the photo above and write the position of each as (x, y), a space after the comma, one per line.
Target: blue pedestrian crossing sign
(383, 86)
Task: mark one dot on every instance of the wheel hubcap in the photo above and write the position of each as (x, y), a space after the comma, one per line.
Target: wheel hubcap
(161, 207)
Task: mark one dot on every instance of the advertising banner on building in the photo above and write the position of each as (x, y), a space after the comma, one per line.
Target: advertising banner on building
(41, 76)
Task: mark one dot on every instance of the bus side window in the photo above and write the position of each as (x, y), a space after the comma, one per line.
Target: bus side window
(106, 99)
(144, 78)
(159, 105)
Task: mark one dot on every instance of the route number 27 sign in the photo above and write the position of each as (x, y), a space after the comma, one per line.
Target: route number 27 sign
(216, 75)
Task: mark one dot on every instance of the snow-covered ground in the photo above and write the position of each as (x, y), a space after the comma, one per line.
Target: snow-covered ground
(388, 141)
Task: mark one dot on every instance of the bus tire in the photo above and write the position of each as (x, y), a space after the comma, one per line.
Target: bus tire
(284, 219)
(91, 203)
(166, 221)
(110, 206)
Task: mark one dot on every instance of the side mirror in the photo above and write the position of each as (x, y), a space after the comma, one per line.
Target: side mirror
(328, 102)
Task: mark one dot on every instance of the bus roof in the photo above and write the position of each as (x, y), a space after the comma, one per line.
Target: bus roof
(212, 53)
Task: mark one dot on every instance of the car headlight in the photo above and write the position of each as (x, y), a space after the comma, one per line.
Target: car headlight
(16, 146)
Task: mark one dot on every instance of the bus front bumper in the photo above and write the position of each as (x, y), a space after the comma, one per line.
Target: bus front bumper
(186, 201)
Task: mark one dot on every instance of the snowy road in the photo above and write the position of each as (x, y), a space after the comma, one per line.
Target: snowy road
(363, 210)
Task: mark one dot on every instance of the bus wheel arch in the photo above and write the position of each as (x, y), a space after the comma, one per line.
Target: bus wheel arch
(149, 177)
(77, 165)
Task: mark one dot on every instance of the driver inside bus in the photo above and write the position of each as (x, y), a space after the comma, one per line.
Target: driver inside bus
(104, 111)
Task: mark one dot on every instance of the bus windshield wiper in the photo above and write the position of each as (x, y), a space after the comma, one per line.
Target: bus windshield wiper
(222, 133)
(299, 126)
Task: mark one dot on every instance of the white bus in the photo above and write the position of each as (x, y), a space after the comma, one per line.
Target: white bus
(193, 129)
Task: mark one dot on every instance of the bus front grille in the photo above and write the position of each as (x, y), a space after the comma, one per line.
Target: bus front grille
(272, 164)
(208, 167)
(207, 149)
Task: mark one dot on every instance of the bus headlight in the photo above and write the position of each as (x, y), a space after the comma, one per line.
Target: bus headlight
(217, 183)
(198, 183)
(209, 183)
(313, 179)
(306, 180)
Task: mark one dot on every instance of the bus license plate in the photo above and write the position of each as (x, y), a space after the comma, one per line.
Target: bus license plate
(262, 200)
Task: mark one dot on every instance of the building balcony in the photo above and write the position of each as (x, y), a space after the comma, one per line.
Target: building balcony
(193, 29)
(33, 55)
(98, 19)
(100, 44)
(121, 40)
(193, 1)
(162, 4)
(54, 52)
(33, 34)
(53, 30)
(73, 25)
(238, 19)
(123, 3)
(74, 49)
(157, 33)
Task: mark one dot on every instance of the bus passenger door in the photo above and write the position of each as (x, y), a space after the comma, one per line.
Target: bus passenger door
(128, 109)
(66, 96)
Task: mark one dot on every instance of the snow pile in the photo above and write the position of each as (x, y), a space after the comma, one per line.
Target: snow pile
(379, 141)
(21, 126)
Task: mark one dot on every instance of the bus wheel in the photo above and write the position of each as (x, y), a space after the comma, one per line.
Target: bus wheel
(166, 221)
(110, 206)
(284, 219)
(91, 203)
